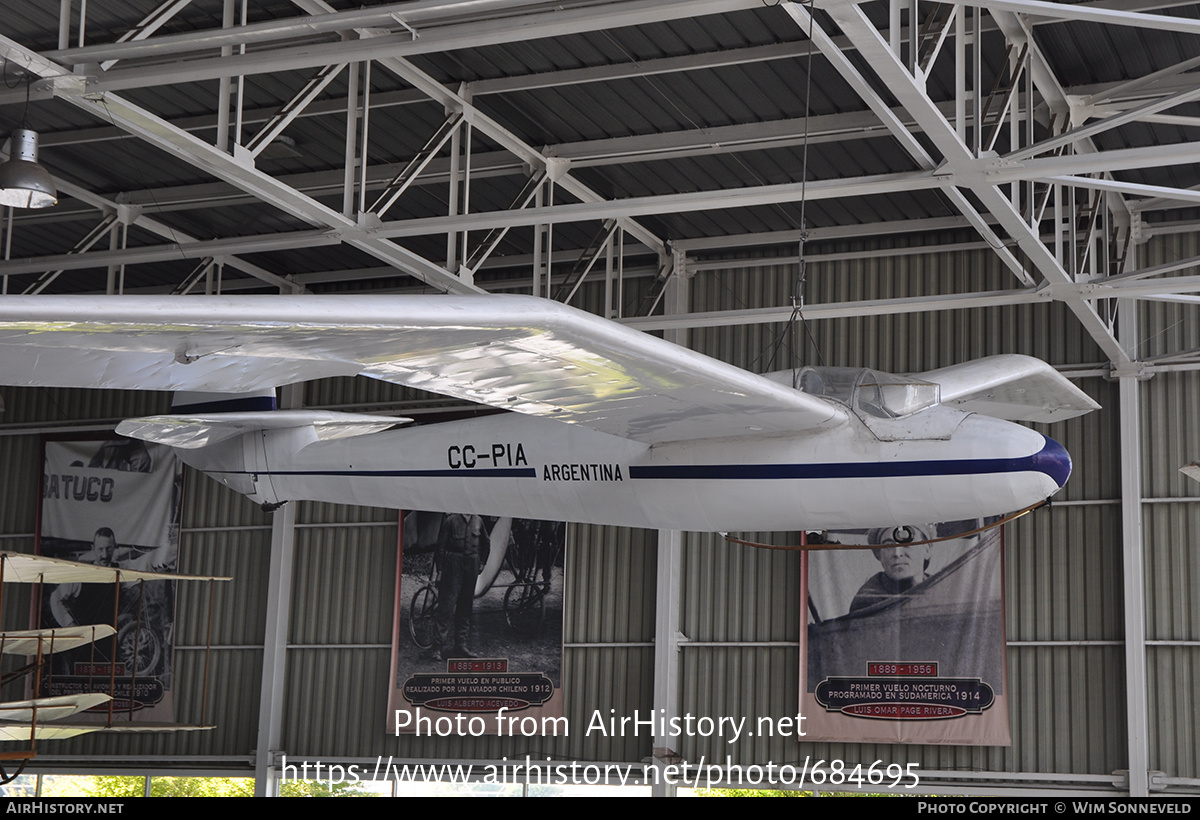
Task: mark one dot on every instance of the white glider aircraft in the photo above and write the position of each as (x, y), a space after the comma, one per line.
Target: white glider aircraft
(611, 426)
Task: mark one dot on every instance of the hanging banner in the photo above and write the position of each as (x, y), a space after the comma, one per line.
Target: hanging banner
(904, 643)
(113, 503)
(477, 638)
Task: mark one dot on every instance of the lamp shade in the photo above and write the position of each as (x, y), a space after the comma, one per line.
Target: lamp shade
(23, 182)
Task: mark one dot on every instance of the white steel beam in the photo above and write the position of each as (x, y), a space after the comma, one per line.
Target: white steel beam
(666, 650)
(221, 165)
(900, 131)
(842, 310)
(208, 158)
(1159, 289)
(1149, 81)
(1102, 125)
(638, 68)
(1000, 170)
(198, 249)
(455, 101)
(1089, 12)
(292, 108)
(272, 693)
(1017, 29)
(132, 213)
(896, 226)
(667, 637)
(537, 22)
(149, 24)
(182, 239)
(959, 161)
(633, 207)
(1133, 188)
(89, 239)
(1133, 577)
(290, 28)
(1142, 273)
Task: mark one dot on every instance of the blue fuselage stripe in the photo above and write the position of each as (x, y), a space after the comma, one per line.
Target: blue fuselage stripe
(869, 469)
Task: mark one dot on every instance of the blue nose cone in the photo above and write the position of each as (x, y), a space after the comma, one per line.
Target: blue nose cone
(1054, 461)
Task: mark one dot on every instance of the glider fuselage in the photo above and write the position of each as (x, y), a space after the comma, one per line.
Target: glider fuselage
(512, 465)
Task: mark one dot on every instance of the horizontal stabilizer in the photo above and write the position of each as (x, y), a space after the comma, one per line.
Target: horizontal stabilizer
(193, 431)
(1010, 386)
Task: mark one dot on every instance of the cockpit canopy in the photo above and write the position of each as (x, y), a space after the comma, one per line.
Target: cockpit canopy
(870, 393)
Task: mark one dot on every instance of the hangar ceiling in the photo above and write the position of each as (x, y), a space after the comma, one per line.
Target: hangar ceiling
(303, 145)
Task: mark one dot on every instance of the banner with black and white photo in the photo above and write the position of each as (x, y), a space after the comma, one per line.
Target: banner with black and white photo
(113, 503)
(904, 642)
(477, 636)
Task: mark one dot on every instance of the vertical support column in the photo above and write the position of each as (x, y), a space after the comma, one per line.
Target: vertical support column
(241, 82)
(914, 42)
(894, 27)
(666, 652)
(467, 130)
(113, 243)
(551, 179)
(538, 240)
(351, 139)
(670, 554)
(1014, 123)
(64, 24)
(620, 311)
(364, 136)
(1058, 225)
(976, 81)
(225, 86)
(452, 195)
(279, 597)
(1133, 574)
(609, 313)
(8, 228)
(960, 72)
(677, 295)
(1030, 111)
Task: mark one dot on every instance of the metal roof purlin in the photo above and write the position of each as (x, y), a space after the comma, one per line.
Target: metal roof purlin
(453, 101)
(515, 28)
(210, 159)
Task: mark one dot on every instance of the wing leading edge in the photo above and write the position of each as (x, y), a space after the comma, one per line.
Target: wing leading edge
(519, 353)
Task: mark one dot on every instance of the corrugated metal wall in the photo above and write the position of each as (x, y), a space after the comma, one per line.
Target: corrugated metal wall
(739, 607)
(1063, 566)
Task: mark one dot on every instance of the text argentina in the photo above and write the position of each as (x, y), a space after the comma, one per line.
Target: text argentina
(582, 472)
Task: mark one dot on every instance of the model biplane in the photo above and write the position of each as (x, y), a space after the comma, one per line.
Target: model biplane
(42, 717)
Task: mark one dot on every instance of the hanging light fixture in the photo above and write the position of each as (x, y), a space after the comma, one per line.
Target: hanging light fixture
(23, 182)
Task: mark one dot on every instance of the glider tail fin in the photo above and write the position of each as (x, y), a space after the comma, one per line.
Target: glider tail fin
(187, 403)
